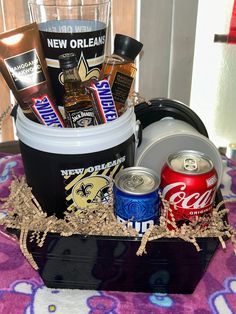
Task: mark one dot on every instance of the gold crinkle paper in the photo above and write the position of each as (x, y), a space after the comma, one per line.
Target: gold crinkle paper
(25, 214)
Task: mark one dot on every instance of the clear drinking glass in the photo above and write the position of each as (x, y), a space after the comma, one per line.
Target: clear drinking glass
(78, 26)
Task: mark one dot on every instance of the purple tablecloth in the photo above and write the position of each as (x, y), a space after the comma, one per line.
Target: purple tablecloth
(22, 289)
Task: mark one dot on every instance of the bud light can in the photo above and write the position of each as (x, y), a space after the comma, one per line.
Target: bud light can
(189, 180)
(136, 198)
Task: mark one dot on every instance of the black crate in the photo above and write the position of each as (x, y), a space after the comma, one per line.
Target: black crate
(101, 263)
(110, 263)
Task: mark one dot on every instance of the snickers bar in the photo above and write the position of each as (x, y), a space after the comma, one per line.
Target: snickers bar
(46, 111)
(103, 102)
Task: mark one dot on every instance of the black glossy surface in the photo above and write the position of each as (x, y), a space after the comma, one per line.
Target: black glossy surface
(172, 266)
(43, 171)
(103, 263)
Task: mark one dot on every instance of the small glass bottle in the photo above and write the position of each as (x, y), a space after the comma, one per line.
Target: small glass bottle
(120, 69)
(78, 106)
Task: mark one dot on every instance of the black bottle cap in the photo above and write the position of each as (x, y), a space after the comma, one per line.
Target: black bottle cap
(68, 60)
(126, 46)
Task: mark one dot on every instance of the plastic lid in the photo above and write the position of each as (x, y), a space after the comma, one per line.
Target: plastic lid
(77, 141)
(126, 46)
(68, 60)
(159, 108)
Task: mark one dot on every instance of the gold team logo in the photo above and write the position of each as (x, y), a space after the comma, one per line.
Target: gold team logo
(88, 187)
(84, 70)
(90, 191)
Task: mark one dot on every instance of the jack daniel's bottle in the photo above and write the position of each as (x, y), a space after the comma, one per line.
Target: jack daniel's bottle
(78, 106)
(119, 68)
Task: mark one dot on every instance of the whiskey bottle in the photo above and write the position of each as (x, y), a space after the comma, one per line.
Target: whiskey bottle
(78, 106)
(119, 68)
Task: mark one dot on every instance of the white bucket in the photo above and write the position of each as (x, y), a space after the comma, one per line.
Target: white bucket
(167, 136)
(71, 167)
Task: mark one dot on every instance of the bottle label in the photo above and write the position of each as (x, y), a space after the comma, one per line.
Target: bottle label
(82, 118)
(25, 69)
(121, 87)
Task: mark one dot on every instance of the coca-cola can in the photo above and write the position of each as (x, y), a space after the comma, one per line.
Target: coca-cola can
(136, 198)
(188, 182)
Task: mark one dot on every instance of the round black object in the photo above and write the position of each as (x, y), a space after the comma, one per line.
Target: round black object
(126, 46)
(68, 60)
(159, 108)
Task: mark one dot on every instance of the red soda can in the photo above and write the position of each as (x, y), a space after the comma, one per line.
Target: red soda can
(189, 180)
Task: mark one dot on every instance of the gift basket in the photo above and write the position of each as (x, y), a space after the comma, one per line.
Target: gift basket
(118, 193)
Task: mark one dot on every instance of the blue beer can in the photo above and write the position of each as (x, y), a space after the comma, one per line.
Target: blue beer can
(136, 198)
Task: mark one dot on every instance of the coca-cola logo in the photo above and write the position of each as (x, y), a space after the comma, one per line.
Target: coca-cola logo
(177, 193)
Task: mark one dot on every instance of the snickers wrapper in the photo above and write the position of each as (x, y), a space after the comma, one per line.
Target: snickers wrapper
(46, 112)
(103, 102)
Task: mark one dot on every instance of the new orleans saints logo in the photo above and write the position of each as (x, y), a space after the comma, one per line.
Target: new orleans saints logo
(90, 191)
(84, 72)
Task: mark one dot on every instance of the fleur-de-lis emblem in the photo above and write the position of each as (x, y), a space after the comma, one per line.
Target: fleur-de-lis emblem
(83, 191)
(84, 72)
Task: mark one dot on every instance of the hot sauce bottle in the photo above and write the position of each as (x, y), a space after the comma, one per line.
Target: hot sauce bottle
(77, 104)
(119, 68)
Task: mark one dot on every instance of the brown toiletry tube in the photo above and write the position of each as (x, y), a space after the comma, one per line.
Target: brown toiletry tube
(24, 68)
